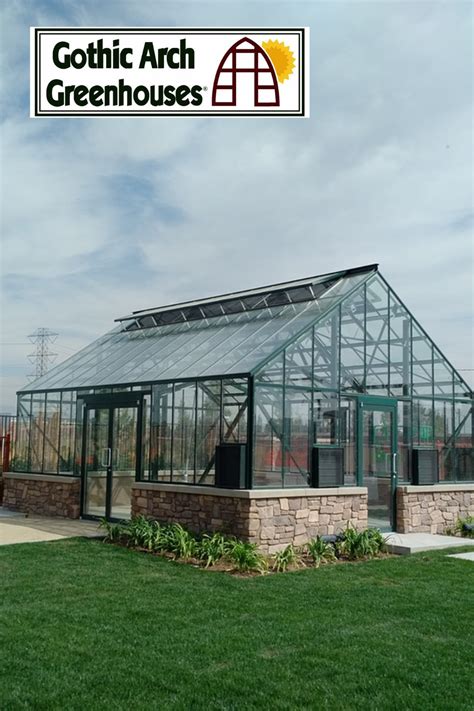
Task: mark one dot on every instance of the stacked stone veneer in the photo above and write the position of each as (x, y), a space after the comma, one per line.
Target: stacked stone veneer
(433, 509)
(272, 520)
(42, 494)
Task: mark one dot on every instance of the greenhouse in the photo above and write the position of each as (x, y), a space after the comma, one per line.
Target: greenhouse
(323, 398)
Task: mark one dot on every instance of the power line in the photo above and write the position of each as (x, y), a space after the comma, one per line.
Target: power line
(42, 357)
(25, 343)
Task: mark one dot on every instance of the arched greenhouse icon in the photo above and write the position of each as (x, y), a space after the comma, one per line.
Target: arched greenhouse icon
(244, 57)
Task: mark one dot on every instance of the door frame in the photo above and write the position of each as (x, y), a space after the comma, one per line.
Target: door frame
(110, 401)
(383, 404)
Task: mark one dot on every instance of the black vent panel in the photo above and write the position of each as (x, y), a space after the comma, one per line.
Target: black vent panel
(327, 467)
(425, 466)
(231, 465)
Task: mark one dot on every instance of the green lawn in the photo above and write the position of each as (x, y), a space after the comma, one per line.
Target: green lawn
(85, 625)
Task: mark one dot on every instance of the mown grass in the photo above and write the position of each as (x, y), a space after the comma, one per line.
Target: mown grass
(86, 625)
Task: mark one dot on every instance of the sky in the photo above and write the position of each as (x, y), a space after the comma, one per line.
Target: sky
(103, 216)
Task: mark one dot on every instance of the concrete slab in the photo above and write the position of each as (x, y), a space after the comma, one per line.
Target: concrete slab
(464, 556)
(406, 543)
(19, 528)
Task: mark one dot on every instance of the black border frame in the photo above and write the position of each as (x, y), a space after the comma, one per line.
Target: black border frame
(302, 99)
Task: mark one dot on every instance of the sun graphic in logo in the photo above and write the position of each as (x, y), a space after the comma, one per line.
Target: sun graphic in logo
(282, 58)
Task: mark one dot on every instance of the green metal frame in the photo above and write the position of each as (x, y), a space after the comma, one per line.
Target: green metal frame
(110, 402)
(379, 404)
(372, 347)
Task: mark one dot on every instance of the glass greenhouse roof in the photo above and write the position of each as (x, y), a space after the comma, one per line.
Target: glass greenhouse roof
(228, 335)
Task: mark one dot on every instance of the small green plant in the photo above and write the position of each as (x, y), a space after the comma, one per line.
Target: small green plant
(246, 557)
(114, 532)
(360, 544)
(286, 558)
(320, 551)
(137, 531)
(377, 540)
(180, 542)
(460, 528)
(211, 548)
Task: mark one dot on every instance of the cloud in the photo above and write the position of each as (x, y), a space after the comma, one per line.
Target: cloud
(104, 216)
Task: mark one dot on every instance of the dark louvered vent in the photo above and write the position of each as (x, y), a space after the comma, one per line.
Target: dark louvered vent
(425, 466)
(230, 465)
(327, 467)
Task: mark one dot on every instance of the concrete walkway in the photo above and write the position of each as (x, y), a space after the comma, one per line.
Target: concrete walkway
(406, 543)
(22, 528)
(463, 556)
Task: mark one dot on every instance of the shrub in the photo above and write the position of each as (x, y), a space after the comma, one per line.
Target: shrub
(246, 557)
(289, 556)
(320, 551)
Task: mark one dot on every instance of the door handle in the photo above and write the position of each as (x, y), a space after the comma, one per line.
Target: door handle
(394, 464)
(106, 457)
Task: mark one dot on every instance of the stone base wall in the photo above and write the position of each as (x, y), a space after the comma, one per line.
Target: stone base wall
(270, 520)
(433, 509)
(42, 494)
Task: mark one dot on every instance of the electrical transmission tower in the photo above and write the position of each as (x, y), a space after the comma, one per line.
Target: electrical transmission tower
(42, 357)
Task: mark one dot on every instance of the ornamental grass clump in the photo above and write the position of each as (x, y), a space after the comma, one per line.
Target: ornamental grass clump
(246, 557)
(180, 542)
(211, 548)
(360, 544)
(287, 558)
(320, 551)
(114, 532)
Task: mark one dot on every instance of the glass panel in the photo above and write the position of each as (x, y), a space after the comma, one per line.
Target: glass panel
(98, 457)
(51, 433)
(299, 362)
(161, 432)
(234, 410)
(423, 423)
(37, 432)
(184, 432)
(80, 408)
(461, 389)
(267, 469)
(463, 441)
(422, 363)
(377, 464)
(296, 437)
(235, 343)
(273, 371)
(326, 353)
(443, 429)
(124, 460)
(21, 462)
(68, 429)
(377, 307)
(400, 349)
(443, 375)
(325, 418)
(348, 431)
(404, 441)
(146, 416)
(207, 429)
(352, 343)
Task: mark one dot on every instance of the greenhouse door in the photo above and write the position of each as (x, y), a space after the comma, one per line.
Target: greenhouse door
(111, 456)
(377, 458)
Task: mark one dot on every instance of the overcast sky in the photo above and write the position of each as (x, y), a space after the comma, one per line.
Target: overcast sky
(101, 216)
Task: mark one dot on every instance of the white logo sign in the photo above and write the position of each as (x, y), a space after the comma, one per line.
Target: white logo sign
(169, 72)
